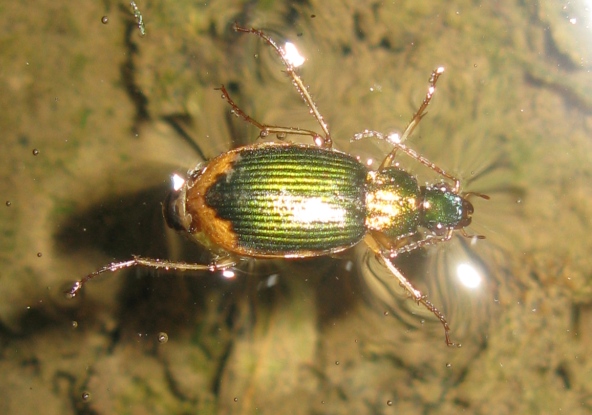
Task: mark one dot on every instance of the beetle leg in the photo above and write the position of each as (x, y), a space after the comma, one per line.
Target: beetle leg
(421, 110)
(417, 296)
(388, 161)
(265, 129)
(219, 264)
(422, 243)
(406, 244)
(320, 140)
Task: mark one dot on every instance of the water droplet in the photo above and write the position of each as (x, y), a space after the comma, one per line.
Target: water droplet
(337, 362)
(104, 20)
(8, 203)
(35, 152)
(448, 365)
(163, 337)
(235, 399)
(85, 396)
(389, 403)
(74, 324)
(39, 254)
(386, 313)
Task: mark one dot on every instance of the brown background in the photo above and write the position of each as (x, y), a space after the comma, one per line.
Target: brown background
(108, 110)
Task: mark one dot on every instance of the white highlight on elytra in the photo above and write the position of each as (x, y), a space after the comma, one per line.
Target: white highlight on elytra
(308, 210)
(292, 56)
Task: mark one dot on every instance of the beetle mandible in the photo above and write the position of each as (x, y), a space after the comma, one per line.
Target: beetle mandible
(286, 200)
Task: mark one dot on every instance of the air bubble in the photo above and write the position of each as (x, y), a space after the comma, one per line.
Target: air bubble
(35, 152)
(163, 337)
(389, 403)
(86, 396)
(8, 203)
(104, 20)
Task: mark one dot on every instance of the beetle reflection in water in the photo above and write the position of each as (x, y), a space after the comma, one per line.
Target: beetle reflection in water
(285, 200)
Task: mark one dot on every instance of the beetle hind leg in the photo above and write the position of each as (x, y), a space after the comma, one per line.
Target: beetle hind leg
(219, 264)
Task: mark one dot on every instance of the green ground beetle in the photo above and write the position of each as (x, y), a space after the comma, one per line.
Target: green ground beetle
(286, 200)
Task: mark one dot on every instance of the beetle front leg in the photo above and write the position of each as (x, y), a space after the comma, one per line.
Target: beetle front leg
(389, 160)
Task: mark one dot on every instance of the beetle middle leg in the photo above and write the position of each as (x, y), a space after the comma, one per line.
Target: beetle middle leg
(405, 245)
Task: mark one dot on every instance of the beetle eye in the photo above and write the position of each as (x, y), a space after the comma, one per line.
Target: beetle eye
(467, 209)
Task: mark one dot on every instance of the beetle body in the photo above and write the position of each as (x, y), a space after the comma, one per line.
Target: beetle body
(288, 200)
